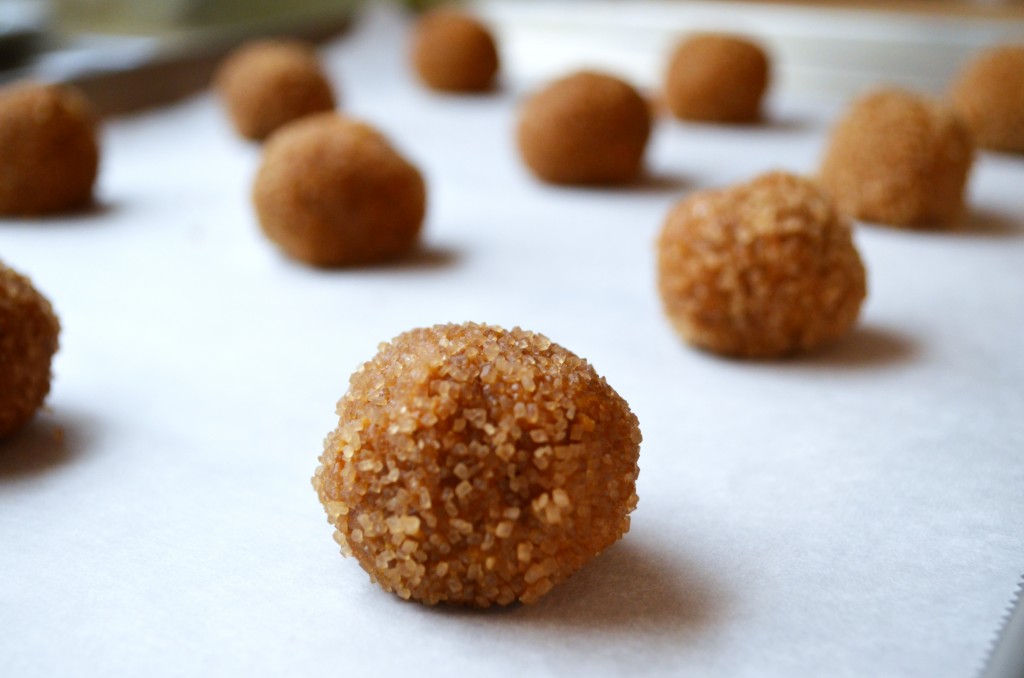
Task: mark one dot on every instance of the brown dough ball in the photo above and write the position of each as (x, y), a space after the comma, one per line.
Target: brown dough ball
(472, 465)
(717, 78)
(28, 340)
(49, 155)
(761, 269)
(333, 192)
(269, 83)
(453, 52)
(898, 158)
(587, 128)
(989, 96)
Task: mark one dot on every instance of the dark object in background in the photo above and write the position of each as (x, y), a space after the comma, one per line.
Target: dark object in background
(49, 154)
(453, 52)
(587, 128)
(717, 78)
(266, 84)
(333, 192)
(899, 158)
(988, 94)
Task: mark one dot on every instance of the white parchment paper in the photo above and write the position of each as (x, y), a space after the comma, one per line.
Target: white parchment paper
(859, 511)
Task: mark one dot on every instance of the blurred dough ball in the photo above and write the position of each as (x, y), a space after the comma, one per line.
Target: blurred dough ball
(989, 95)
(28, 340)
(587, 128)
(473, 465)
(333, 192)
(760, 269)
(269, 83)
(453, 52)
(717, 78)
(49, 154)
(899, 158)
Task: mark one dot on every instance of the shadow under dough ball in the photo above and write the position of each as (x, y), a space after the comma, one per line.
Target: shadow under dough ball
(900, 159)
(587, 128)
(333, 192)
(266, 84)
(477, 466)
(453, 52)
(49, 154)
(760, 269)
(28, 341)
(989, 95)
(717, 78)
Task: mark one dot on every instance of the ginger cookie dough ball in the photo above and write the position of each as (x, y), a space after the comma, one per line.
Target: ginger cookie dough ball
(898, 158)
(717, 78)
(268, 83)
(761, 269)
(989, 96)
(587, 128)
(453, 52)
(333, 192)
(49, 155)
(28, 340)
(472, 465)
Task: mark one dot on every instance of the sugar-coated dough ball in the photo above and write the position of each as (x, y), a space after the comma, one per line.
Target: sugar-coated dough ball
(989, 95)
(333, 192)
(268, 83)
(587, 128)
(761, 269)
(899, 158)
(717, 78)
(453, 52)
(49, 155)
(28, 340)
(473, 465)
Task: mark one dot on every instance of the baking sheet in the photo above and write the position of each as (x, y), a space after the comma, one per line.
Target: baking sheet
(854, 512)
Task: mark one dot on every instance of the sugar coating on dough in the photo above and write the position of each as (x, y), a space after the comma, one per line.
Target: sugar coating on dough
(899, 158)
(28, 341)
(477, 466)
(587, 128)
(714, 77)
(989, 95)
(49, 153)
(333, 192)
(267, 83)
(760, 269)
(454, 52)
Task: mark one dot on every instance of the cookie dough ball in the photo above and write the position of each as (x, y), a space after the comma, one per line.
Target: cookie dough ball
(453, 52)
(28, 340)
(333, 192)
(49, 155)
(587, 128)
(989, 96)
(761, 269)
(898, 158)
(269, 83)
(474, 466)
(717, 78)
